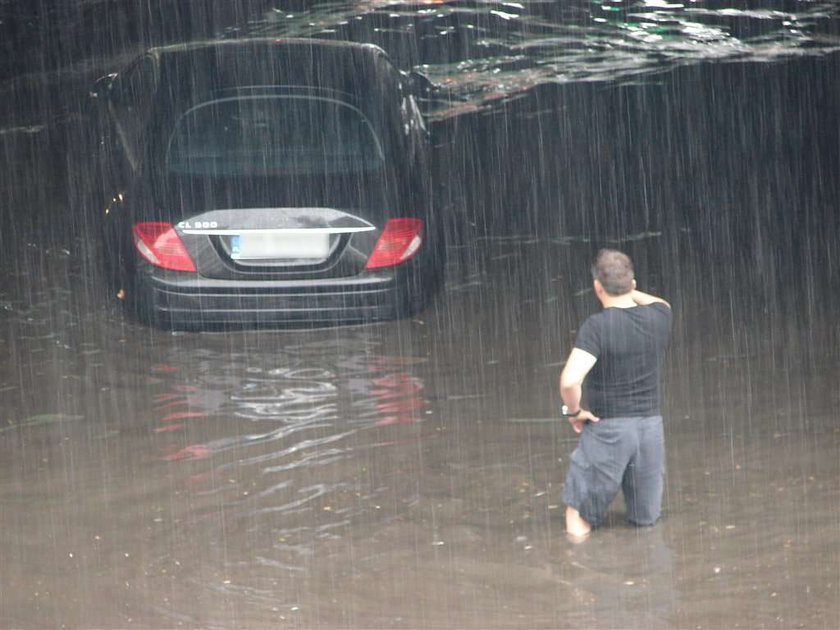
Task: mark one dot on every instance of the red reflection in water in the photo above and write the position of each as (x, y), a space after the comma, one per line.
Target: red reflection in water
(397, 398)
(169, 427)
(176, 415)
(194, 450)
(383, 390)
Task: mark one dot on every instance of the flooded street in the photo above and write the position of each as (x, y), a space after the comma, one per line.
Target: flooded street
(408, 474)
(404, 474)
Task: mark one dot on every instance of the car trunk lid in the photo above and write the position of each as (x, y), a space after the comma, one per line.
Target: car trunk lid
(261, 243)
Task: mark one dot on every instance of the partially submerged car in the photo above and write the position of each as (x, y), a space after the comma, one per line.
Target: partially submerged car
(266, 182)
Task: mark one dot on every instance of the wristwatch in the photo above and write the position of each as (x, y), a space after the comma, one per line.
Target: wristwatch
(564, 411)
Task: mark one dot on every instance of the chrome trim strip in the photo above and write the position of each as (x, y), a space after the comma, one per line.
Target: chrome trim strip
(232, 232)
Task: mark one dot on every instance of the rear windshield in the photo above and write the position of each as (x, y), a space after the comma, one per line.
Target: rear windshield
(273, 135)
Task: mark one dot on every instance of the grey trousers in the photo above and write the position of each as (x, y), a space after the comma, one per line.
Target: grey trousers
(625, 453)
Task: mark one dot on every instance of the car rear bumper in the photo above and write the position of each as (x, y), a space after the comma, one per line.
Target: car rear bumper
(182, 301)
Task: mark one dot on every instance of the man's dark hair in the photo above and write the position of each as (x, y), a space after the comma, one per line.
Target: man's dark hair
(614, 270)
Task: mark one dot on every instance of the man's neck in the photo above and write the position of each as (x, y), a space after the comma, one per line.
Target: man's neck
(618, 301)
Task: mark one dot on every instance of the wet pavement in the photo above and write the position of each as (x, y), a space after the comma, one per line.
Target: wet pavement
(408, 474)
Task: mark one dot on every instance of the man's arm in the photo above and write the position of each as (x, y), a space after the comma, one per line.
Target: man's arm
(645, 299)
(578, 365)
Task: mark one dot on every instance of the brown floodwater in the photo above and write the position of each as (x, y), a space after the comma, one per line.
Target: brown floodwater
(405, 474)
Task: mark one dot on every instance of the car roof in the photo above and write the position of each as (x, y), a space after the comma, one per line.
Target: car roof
(197, 69)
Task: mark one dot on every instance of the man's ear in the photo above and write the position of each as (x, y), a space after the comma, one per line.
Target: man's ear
(599, 289)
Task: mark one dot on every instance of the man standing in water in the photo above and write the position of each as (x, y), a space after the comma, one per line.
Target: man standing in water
(617, 353)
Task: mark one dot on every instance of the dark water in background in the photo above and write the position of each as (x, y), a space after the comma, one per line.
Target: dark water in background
(408, 474)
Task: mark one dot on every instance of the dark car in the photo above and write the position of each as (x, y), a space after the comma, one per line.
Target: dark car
(266, 182)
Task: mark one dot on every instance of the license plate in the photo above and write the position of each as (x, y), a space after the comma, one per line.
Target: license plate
(264, 245)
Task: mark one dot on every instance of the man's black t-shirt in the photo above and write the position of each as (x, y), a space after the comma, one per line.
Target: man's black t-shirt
(629, 344)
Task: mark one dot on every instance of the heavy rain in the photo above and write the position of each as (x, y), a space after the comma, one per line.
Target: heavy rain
(408, 473)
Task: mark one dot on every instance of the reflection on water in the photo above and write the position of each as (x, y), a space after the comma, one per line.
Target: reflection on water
(480, 53)
(296, 407)
(306, 396)
(291, 439)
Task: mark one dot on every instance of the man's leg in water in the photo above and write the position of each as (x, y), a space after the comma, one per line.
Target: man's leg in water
(596, 468)
(643, 480)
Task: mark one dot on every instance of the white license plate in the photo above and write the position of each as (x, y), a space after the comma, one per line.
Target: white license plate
(262, 245)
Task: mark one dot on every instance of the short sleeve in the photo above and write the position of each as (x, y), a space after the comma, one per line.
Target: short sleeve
(666, 315)
(589, 338)
(662, 308)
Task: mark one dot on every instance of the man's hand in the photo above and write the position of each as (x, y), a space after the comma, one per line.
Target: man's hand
(582, 418)
(645, 299)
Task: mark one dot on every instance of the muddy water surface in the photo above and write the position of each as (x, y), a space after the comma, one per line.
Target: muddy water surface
(404, 474)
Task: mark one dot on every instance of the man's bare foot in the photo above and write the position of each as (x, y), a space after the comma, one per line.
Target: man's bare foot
(575, 525)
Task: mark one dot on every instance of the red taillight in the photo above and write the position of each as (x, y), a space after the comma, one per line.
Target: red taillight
(160, 244)
(400, 240)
